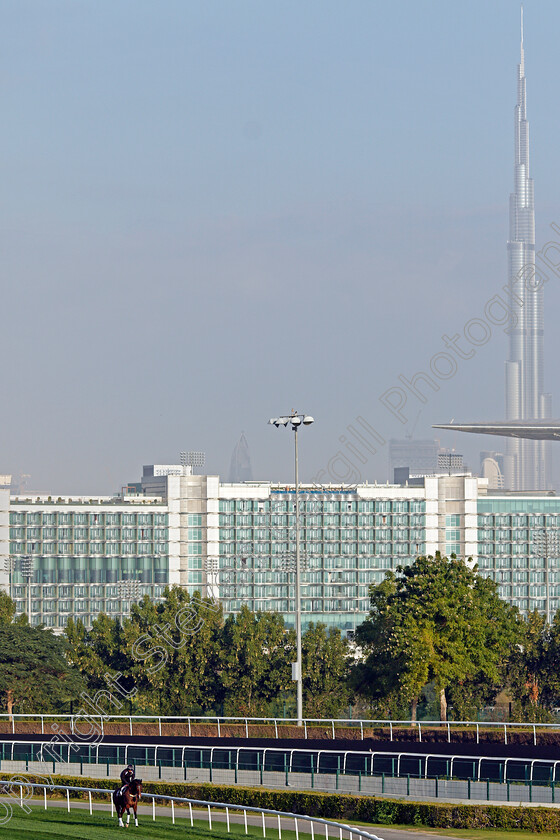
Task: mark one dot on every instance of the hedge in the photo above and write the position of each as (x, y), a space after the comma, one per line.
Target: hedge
(366, 809)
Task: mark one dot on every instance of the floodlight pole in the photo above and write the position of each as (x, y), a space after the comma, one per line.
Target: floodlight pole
(299, 664)
(296, 420)
(27, 572)
(546, 545)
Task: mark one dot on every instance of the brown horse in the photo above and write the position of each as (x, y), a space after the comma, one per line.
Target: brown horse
(126, 799)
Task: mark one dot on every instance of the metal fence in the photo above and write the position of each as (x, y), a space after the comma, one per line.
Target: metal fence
(430, 776)
(328, 726)
(14, 790)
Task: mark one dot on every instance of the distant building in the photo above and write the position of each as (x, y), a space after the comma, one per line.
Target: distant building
(240, 466)
(492, 468)
(236, 543)
(420, 456)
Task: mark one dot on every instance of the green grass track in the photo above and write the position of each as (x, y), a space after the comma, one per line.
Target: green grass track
(79, 825)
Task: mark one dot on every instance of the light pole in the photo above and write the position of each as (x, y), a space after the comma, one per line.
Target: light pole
(296, 420)
(26, 565)
(9, 566)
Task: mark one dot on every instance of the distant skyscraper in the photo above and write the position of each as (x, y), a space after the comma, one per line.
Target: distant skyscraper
(240, 467)
(420, 456)
(526, 464)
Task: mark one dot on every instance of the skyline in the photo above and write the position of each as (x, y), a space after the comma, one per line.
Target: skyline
(235, 214)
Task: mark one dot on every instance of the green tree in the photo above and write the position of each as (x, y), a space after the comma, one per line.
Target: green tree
(174, 652)
(7, 609)
(99, 651)
(435, 620)
(35, 675)
(325, 671)
(533, 668)
(257, 652)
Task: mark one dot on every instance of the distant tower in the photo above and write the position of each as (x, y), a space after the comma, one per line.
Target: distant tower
(526, 464)
(240, 467)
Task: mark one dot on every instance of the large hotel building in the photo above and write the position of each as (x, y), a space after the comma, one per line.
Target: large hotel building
(235, 542)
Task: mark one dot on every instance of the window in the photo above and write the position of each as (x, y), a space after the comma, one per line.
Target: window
(196, 548)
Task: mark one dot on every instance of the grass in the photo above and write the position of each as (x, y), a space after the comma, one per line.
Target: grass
(79, 825)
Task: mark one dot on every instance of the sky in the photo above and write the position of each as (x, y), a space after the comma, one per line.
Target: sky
(216, 212)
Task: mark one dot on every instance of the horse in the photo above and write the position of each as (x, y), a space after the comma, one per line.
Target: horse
(128, 799)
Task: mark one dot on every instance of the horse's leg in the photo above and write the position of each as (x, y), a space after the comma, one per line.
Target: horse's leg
(135, 815)
(120, 816)
(127, 815)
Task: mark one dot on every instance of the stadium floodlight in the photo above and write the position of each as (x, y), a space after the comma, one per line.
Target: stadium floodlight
(193, 459)
(295, 419)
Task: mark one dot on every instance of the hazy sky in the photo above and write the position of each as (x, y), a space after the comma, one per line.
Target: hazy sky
(216, 211)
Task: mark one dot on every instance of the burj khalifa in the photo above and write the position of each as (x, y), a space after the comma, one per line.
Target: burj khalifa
(526, 464)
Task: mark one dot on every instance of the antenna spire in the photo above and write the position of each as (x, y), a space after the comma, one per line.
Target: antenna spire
(522, 26)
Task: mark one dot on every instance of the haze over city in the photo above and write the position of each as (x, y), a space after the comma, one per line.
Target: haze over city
(216, 212)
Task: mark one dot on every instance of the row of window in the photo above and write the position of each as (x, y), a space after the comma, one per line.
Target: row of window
(319, 562)
(310, 505)
(521, 562)
(328, 579)
(521, 506)
(519, 576)
(85, 576)
(88, 549)
(321, 534)
(90, 519)
(316, 520)
(277, 549)
(92, 591)
(48, 532)
(284, 605)
(486, 548)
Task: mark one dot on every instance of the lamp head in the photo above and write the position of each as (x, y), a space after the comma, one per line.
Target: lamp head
(308, 420)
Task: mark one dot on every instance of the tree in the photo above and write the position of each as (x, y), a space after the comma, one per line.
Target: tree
(533, 668)
(7, 608)
(35, 675)
(257, 652)
(436, 620)
(173, 648)
(325, 671)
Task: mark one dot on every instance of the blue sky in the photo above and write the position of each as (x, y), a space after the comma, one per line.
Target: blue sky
(214, 212)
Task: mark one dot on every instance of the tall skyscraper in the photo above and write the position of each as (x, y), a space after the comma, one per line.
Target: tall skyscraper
(528, 409)
(240, 466)
(526, 464)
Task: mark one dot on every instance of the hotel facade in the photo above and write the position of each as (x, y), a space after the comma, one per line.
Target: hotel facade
(81, 556)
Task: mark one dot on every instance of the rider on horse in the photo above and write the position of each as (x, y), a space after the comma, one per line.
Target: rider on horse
(127, 776)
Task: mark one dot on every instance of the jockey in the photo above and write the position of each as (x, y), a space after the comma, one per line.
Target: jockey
(127, 776)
